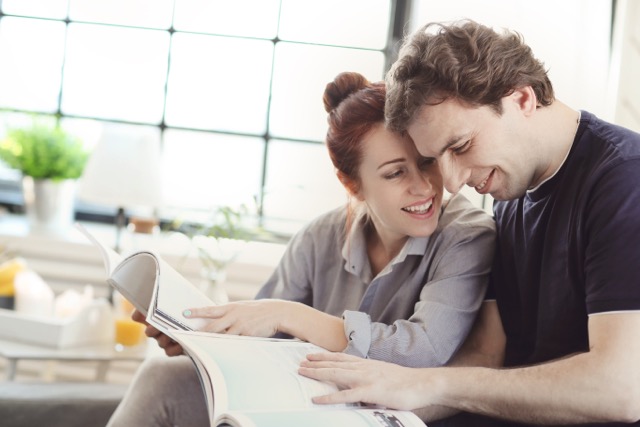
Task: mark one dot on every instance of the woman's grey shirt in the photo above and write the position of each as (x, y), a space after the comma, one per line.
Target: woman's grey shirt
(418, 310)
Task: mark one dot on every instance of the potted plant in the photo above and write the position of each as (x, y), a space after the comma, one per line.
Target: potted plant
(50, 160)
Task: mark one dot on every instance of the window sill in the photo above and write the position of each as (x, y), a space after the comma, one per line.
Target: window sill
(69, 261)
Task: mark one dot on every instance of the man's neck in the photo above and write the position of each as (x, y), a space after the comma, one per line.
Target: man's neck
(557, 126)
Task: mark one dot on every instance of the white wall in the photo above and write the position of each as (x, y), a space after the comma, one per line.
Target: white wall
(571, 37)
(624, 90)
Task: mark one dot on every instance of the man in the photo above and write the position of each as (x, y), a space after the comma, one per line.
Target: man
(566, 276)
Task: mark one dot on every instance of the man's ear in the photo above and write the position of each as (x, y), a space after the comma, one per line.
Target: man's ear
(352, 187)
(525, 99)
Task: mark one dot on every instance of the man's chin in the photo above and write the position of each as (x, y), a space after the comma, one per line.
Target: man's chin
(506, 195)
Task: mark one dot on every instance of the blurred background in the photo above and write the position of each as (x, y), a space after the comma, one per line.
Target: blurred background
(231, 91)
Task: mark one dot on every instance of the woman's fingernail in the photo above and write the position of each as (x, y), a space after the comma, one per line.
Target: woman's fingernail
(186, 313)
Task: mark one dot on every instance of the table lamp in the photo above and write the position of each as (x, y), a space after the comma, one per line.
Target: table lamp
(124, 171)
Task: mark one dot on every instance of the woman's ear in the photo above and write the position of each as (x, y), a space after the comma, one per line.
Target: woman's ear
(352, 187)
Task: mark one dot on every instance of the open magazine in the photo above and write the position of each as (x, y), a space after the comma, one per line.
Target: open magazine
(247, 381)
(153, 286)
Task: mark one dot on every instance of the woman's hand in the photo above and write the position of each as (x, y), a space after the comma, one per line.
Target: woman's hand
(259, 318)
(171, 348)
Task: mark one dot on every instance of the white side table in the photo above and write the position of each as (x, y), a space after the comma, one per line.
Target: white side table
(104, 354)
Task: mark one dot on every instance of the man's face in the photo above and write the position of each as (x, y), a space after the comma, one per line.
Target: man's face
(477, 147)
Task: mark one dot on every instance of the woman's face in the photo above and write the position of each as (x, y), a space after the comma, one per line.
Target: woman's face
(402, 190)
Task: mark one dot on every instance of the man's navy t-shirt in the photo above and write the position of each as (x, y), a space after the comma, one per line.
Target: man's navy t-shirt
(570, 248)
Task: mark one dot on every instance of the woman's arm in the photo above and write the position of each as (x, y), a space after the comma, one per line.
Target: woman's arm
(450, 295)
(264, 318)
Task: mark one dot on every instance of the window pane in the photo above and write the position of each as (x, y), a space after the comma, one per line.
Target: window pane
(56, 9)
(89, 131)
(219, 83)
(247, 18)
(115, 73)
(301, 184)
(301, 73)
(357, 23)
(203, 170)
(31, 52)
(138, 13)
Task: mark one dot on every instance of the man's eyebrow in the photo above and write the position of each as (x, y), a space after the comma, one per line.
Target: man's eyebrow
(451, 142)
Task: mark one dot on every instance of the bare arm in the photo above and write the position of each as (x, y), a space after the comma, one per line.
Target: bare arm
(266, 317)
(486, 342)
(600, 385)
(483, 347)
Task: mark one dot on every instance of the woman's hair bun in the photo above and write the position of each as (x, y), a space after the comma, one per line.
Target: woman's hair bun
(341, 87)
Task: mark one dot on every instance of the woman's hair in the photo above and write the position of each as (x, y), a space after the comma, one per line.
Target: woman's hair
(466, 61)
(355, 106)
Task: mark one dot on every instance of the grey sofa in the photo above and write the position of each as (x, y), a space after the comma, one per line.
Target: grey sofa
(25, 404)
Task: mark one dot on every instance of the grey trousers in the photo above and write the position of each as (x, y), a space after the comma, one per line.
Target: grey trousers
(165, 391)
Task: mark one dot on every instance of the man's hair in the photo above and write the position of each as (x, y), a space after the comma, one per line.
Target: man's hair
(463, 60)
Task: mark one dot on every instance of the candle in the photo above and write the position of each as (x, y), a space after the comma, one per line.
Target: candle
(32, 295)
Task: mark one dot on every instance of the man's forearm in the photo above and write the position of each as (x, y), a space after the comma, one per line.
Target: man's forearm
(602, 384)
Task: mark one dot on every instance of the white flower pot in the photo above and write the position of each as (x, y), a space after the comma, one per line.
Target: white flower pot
(49, 204)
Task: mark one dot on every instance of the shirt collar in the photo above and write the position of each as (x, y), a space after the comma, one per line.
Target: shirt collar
(354, 250)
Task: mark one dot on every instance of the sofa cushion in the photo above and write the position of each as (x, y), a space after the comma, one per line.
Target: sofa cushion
(24, 404)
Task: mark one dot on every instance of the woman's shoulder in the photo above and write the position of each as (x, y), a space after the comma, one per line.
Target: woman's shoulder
(330, 221)
(459, 213)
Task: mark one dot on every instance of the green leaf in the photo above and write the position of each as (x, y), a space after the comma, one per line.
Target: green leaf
(44, 152)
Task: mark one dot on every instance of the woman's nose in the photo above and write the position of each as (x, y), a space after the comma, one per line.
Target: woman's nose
(452, 177)
(421, 183)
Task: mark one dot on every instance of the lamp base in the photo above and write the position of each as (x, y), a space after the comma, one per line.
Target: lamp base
(143, 225)
(120, 223)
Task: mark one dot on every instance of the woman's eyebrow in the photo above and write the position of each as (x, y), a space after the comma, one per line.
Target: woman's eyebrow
(398, 160)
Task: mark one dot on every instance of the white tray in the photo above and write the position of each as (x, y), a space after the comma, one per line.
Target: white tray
(93, 325)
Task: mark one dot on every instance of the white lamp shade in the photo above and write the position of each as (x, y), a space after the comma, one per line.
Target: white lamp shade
(124, 170)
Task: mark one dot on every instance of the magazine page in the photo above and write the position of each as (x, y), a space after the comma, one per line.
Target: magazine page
(110, 258)
(152, 285)
(137, 287)
(254, 374)
(160, 289)
(135, 278)
(172, 295)
(362, 417)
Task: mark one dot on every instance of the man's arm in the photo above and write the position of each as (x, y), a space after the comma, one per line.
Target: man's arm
(597, 386)
(484, 346)
(486, 342)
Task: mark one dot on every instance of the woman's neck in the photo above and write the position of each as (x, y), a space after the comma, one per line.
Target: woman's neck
(381, 248)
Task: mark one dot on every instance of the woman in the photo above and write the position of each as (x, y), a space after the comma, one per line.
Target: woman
(398, 274)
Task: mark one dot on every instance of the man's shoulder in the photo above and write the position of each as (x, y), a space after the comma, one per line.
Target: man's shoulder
(607, 141)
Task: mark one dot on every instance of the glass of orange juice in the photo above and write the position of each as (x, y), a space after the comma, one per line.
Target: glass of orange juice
(128, 332)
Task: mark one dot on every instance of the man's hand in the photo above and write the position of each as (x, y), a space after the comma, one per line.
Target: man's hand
(365, 380)
(171, 348)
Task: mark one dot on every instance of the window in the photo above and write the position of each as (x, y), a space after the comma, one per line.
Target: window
(233, 89)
